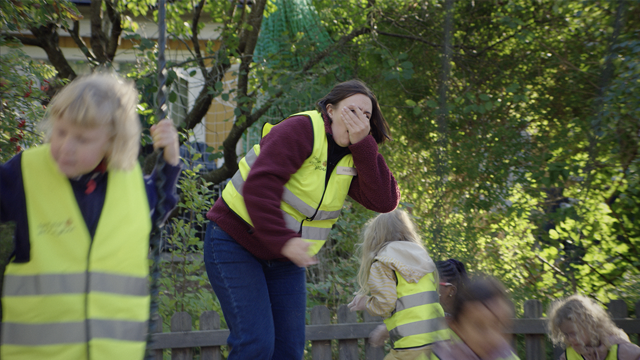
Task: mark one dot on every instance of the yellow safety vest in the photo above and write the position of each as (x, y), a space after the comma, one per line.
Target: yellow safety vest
(309, 206)
(78, 298)
(418, 318)
(571, 354)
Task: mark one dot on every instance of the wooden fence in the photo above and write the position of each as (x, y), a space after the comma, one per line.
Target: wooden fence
(182, 339)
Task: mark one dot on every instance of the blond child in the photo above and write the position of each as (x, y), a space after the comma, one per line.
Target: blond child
(76, 285)
(398, 272)
(587, 332)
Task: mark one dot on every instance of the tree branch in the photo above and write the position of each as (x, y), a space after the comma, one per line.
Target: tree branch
(246, 47)
(98, 39)
(409, 37)
(24, 39)
(194, 36)
(47, 35)
(75, 35)
(553, 267)
(116, 30)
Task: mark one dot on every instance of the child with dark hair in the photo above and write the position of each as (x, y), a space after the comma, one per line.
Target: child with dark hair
(453, 276)
(481, 315)
(587, 332)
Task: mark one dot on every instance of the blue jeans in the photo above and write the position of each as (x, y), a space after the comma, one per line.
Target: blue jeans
(263, 302)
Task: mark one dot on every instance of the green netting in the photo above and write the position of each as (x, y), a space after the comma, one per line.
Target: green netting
(293, 20)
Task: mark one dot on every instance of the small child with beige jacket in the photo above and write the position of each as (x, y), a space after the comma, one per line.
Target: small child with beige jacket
(401, 277)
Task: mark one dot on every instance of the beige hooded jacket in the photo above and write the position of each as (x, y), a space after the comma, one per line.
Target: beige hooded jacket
(407, 258)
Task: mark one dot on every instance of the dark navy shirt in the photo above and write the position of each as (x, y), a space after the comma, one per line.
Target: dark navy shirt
(89, 189)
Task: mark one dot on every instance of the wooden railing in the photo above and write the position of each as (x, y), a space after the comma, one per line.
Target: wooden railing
(182, 339)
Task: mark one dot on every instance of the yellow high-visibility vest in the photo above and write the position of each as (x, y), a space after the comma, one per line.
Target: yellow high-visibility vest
(308, 206)
(571, 354)
(418, 318)
(77, 297)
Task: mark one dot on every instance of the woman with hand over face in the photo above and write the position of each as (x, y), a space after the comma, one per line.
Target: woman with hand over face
(277, 210)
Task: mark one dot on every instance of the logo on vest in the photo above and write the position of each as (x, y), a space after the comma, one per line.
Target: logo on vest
(56, 228)
(319, 164)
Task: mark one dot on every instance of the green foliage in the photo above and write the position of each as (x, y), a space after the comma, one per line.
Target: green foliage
(16, 15)
(184, 281)
(22, 85)
(539, 164)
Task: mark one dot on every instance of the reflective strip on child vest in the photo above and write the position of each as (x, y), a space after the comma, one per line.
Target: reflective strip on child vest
(77, 297)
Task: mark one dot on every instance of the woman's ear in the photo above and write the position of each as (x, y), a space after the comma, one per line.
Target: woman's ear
(329, 108)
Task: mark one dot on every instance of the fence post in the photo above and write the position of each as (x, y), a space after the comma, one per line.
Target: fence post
(181, 321)
(157, 318)
(618, 309)
(347, 349)
(210, 320)
(534, 344)
(320, 350)
(371, 352)
(513, 344)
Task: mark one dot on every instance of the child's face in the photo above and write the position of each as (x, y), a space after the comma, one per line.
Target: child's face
(483, 326)
(77, 150)
(576, 341)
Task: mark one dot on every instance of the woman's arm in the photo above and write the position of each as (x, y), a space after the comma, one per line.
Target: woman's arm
(374, 187)
(382, 285)
(282, 153)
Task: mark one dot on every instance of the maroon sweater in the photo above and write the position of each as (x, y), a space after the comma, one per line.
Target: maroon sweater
(282, 153)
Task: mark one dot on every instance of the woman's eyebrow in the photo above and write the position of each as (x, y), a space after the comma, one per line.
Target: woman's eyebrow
(363, 111)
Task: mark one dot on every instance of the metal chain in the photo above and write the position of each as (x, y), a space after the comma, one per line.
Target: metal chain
(159, 212)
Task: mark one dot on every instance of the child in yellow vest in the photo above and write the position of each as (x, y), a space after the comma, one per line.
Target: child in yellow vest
(587, 332)
(76, 284)
(401, 277)
(480, 320)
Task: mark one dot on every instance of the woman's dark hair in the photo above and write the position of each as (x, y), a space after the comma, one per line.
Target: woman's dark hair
(379, 127)
(481, 289)
(452, 271)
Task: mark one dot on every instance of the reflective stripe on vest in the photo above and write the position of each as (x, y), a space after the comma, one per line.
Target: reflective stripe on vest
(77, 297)
(571, 354)
(307, 207)
(418, 318)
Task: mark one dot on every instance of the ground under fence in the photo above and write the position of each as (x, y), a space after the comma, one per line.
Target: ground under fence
(183, 339)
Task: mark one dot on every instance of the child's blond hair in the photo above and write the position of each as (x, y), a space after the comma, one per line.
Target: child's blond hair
(590, 319)
(101, 99)
(377, 233)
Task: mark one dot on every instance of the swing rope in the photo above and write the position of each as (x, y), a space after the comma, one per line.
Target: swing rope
(156, 232)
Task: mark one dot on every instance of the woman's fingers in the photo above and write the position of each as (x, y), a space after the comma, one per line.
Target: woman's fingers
(296, 250)
(356, 122)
